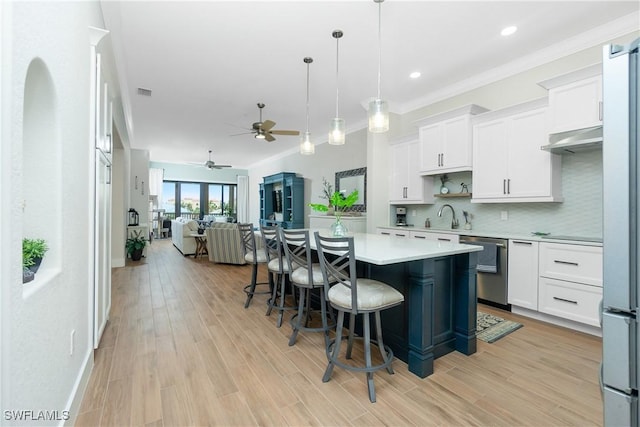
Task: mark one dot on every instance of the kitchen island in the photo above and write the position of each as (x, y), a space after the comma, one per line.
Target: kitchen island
(438, 281)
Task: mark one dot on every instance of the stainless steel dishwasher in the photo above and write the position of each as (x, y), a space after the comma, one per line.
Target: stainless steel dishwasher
(492, 287)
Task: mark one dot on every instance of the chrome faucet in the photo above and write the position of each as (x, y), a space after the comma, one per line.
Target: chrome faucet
(454, 221)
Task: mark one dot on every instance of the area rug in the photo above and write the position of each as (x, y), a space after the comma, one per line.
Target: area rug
(491, 328)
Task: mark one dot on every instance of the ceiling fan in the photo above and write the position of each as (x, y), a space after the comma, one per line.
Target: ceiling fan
(210, 164)
(264, 129)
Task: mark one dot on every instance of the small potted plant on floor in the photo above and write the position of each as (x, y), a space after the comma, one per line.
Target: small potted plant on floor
(135, 245)
(340, 204)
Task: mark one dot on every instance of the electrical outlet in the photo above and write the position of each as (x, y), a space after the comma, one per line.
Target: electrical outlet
(504, 215)
(72, 342)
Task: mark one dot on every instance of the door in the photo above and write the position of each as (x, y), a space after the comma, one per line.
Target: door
(102, 255)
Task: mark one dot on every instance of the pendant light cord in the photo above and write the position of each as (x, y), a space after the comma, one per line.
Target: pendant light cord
(337, 79)
(379, 44)
(307, 96)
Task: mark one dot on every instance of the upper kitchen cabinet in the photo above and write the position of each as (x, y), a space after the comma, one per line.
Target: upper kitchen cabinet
(575, 99)
(407, 185)
(446, 141)
(508, 164)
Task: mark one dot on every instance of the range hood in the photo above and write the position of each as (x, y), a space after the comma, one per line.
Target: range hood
(575, 140)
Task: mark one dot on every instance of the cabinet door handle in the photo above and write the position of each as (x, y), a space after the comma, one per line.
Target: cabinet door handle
(600, 112)
(443, 239)
(565, 300)
(419, 237)
(509, 186)
(504, 186)
(385, 233)
(518, 242)
(557, 261)
(442, 159)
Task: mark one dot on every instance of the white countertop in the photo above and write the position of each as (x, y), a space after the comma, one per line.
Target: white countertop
(382, 250)
(500, 235)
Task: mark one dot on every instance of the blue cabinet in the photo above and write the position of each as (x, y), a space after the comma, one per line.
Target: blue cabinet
(282, 200)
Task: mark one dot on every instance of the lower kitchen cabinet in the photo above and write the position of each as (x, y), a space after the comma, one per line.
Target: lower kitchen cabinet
(434, 235)
(523, 274)
(570, 284)
(559, 279)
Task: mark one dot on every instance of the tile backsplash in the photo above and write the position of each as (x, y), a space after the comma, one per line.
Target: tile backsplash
(580, 214)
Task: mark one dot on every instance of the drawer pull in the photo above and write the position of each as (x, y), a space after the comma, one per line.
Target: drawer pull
(517, 242)
(385, 234)
(565, 300)
(419, 237)
(557, 261)
(443, 239)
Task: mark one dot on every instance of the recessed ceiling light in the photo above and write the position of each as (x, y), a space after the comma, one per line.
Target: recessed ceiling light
(509, 30)
(415, 74)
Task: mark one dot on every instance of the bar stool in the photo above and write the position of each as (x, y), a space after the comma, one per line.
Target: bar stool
(277, 266)
(307, 277)
(349, 294)
(254, 256)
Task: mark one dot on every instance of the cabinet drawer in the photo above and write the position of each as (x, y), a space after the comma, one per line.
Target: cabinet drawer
(575, 263)
(392, 232)
(443, 237)
(570, 300)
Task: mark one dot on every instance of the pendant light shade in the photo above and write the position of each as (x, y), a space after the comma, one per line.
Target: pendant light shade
(337, 132)
(306, 146)
(378, 108)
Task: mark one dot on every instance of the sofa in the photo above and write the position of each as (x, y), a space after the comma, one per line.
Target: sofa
(224, 243)
(181, 230)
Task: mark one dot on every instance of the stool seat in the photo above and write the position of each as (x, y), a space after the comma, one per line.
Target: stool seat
(300, 276)
(372, 295)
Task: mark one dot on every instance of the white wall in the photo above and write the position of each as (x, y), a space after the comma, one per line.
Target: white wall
(38, 371)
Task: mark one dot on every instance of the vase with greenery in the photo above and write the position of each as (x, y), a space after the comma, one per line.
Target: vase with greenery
(135, 245)
(340, 204)
(33, 251)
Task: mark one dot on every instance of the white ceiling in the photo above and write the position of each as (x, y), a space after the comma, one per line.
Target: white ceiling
(208, 63)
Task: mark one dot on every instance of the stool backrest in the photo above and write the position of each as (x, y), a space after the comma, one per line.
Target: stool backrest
(248, 239)
(338, 264)
(297, 250)
(272, 244)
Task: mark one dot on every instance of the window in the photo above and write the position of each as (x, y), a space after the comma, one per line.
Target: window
(195, 200)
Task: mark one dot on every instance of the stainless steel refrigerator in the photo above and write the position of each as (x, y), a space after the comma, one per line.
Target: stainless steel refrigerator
(621, 215)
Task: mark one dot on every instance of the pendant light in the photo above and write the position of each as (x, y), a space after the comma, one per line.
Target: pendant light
(337, 132)
(378, 108)
(306, 146)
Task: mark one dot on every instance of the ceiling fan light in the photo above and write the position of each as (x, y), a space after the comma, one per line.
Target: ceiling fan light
(337, 132)
(306, 146)
(378, 116)
(259, 135)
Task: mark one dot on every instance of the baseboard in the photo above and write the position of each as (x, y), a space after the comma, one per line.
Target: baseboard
(565, 323)
(117, 262)
(79, 388)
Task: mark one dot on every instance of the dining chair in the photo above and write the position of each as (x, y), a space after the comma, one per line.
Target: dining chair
(307, 278)
(354, 296)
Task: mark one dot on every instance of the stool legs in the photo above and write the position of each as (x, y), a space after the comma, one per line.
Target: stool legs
(383, 352)
(302, 299)
(252, 286)
(333, 356)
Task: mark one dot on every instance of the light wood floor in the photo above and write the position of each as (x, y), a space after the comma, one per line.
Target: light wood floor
(180, 349)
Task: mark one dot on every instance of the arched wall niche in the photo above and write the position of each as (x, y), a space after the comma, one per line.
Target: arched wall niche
(41, 165)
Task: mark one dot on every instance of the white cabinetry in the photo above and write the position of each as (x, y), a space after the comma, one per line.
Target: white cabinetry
(523, 274)
(446, 141)
(575, 100)
(407, 186)
(570, 283)
(393, 232)
(508, 164)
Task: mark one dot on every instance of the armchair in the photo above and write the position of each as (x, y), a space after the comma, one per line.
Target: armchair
(224, 243)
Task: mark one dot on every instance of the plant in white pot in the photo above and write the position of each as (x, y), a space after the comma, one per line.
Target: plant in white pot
(340, 204)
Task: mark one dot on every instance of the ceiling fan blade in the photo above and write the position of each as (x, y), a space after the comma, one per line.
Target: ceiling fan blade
(222, 166)
(269, 137)
(285, 132)
(268, 124)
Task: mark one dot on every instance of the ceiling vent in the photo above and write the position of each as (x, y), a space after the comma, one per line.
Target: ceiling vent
(144, 92)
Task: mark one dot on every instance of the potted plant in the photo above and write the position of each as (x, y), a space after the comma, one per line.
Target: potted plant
(135, 245)
(340, 204)
(33, 251)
